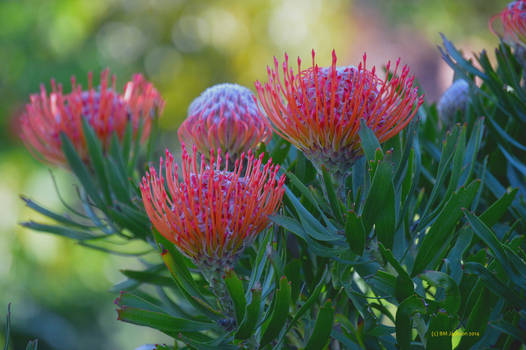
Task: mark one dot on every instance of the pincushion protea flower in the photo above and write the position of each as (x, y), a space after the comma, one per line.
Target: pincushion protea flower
(513, 20)
(319, 109)
(106, 110)
(225, 116)
(212, 214)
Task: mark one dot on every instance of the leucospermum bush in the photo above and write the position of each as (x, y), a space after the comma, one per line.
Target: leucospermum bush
(362, 224)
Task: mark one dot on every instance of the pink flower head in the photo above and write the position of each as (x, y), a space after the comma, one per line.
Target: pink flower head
(212, 214)
(319, 109)
(513, 21)
(225, 116)
(106, 110)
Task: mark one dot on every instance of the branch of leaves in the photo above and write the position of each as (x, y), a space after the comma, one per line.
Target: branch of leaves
(266, 307)
(112, 213)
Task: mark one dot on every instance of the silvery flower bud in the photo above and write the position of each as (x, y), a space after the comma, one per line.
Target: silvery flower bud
(454, 99)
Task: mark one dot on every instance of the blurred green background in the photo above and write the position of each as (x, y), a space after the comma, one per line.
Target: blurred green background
(59, 291)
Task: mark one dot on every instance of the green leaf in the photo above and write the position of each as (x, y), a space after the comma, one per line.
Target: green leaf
(404, 285)
(97, 158)
(247, 326)
(439, 323)
(379, 208)
(60, 230)
(494, 284)
(322, 328)
(161, 321)
(311, 225)
(405, 311)
(333, 199)
(477, 319)
(490, 239)
(451, 302)
(148, 277)
(280, 313)
(437, 240)
(131, 300)
(509, 329)
(57, 217)
(369, 141)
(293, 273)
(80, 170)
(355, 232)
(307, 305)
(7, 327)
(237, 294)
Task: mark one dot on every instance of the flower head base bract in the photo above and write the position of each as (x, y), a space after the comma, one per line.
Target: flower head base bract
(513, 22)
(226, 117)
(212, 214)
(319, 110)
(105, 110)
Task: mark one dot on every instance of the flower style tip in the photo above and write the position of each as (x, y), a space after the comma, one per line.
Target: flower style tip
(225, 116)
(106, 111)
(513, 23)
(212, 214)
(319, 109)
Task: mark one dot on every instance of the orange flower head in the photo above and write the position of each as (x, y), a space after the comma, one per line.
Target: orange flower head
(212, 214)
(225, 116)
(105, 110)
(319, 109)
(513, 23)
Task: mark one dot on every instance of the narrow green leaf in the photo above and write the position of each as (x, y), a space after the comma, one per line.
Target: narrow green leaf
(237, 294)
(161, 321)
(381, 195)
(478, 319)
(80, 170)
(494, 284)
(97, 158)
(306, 306)
(59, 230)
(438, 324)
(369, 141)
(355, 232)
(490, 239)
(7, 327)
(331, 193)
(404, 285)
(48, 213)
(322, 328)
(493, 214)
(436, 241)
(280, 313)
(451, 302)
(509, 329)
(148, 277)
(247, 326)
(132, 300)
(405, 311)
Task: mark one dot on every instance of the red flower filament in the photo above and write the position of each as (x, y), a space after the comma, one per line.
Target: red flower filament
(319, 109)
(225, 116)
(513, 20)
(212, 214)
(106, 110)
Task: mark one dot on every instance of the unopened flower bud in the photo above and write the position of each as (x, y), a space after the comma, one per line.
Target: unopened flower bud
(454, 99)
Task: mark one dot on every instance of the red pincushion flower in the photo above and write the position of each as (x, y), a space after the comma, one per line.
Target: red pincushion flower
(106, 110)
(319, 109)
(212, 213)
(225, 116)
(513, 20)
